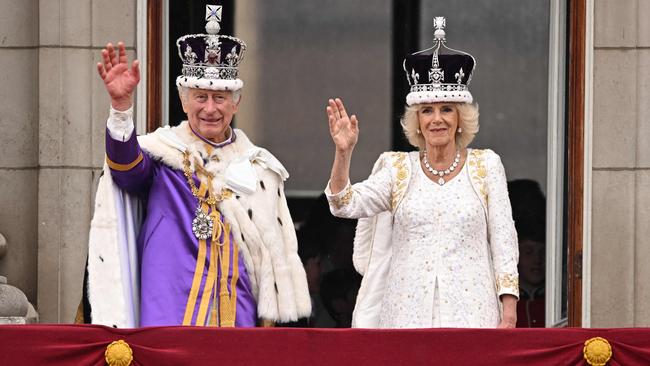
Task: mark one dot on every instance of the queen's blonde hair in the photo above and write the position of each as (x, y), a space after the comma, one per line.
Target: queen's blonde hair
(467, 120)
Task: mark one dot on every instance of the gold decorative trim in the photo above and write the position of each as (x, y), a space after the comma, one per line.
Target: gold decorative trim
(233, 281)
(198, 270)
(79, 317)
(597, 351)
(266, 323)
(507, 281)
(226, 318)
(478, 171)
(187, 171)
(124, 167)
(118, 353)
(208, 287)
(344, 200)
(399, 188)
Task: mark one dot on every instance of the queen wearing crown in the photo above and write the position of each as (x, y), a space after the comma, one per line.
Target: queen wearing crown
(435, 242)
(191, 225)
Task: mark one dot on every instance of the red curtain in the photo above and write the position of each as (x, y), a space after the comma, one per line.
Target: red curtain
(85, 345)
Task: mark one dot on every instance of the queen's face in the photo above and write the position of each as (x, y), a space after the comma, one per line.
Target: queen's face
(438, 123)
(210, 112)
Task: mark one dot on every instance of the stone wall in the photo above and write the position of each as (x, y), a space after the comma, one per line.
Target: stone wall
(620, 291)
(19, 142)
(72, 112)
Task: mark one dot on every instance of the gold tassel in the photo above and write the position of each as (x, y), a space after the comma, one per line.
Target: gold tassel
(226, 316)
(208, 287)
(198, 273)
(213, 312)
(217, 224)
(233, 281)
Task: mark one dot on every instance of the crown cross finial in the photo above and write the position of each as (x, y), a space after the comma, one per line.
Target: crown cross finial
(212, 17)
(439, 24)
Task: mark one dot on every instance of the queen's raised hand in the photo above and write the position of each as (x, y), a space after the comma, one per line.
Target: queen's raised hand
(119, 80)
(344, 129)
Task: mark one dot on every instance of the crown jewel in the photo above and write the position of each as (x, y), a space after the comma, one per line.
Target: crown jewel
(437, 76)
(211, 61)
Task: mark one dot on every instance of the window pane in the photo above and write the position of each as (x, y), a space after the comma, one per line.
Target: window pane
(300, 54)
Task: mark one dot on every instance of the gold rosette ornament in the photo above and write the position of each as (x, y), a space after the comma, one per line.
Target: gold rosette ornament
(118, 353)
(597, 351)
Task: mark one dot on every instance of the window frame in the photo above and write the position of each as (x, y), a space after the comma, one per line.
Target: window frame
(566, 164)
(555, 162)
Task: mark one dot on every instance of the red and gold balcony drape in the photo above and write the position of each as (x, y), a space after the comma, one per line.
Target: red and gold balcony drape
(86, 345)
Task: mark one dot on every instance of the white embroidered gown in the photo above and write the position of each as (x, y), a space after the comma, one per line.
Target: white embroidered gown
(441, 272)
(440, 275)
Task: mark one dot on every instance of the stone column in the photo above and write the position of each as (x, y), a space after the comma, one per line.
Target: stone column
(72, 115)
(642, 169)
(19, 141)
(620, 294)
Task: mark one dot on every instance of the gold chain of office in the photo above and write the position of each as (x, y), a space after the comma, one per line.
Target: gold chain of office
(211, 199)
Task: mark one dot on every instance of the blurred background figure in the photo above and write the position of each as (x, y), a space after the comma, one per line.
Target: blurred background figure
(529, 213)
(338, 293)
(325, 248)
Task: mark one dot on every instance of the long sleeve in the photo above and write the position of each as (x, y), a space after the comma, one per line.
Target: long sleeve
(367, 198)
(131, 169)
(120, 124)
(501, 229)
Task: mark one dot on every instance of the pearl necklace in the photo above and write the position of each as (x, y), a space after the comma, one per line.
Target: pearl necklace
(441, 173)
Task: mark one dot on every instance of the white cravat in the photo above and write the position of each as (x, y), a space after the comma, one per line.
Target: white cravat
(240, 174)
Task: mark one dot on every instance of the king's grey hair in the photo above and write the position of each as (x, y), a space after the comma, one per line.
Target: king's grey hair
(183, 91)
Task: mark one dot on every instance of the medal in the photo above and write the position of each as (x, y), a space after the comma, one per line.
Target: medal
(202, 224)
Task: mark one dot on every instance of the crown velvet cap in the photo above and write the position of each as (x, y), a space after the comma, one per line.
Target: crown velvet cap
(437, 77)
(211, 61)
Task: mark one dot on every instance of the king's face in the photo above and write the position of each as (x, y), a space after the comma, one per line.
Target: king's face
(210, 112)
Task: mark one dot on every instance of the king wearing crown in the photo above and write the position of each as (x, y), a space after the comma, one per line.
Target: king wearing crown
(191, 224)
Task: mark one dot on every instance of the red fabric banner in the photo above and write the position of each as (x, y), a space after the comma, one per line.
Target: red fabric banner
(85, 345)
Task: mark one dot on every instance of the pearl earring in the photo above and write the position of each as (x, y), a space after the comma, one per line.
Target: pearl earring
(460, 130)
(418, 131)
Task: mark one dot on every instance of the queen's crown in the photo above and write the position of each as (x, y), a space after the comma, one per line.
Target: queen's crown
(442, 75)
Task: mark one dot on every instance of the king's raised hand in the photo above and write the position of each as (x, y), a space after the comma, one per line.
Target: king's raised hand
(119, 80)
(344, 129)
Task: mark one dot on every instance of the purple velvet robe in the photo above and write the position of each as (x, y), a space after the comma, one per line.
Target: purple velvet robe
(167, 247)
